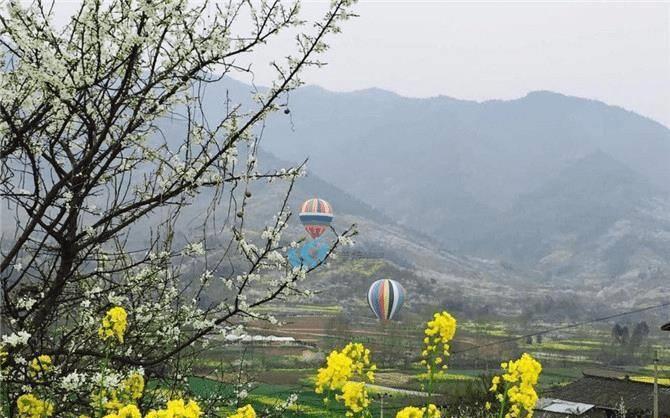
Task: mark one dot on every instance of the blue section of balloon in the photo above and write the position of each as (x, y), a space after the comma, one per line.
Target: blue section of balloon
(309, 255)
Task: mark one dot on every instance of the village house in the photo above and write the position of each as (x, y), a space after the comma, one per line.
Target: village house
(595, 396)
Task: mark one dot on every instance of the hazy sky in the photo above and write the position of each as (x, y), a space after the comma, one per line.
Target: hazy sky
(612, 51)
(615, 52)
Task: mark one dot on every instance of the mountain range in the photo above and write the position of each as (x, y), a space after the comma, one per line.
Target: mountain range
(553, 190)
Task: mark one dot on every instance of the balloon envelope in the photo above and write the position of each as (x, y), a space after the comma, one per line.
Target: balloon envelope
(309, 255)
(385, 298)
(316, 214)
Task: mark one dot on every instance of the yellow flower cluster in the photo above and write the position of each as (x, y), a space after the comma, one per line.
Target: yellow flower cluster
(245, 412)
(120, 402)
(133, 386)
(430, 411)
(115, 400)
(494, 383)
(4, 355)
(355, 397)
(30, 406)
(438, 333)
(113, 324)
(177, 409)
(336, 373)
(40, 365)
(520, 379)
(360, 357)
(128, 411)
(342, 365)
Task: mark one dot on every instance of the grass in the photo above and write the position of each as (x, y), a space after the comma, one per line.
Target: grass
(493, 329)
(303, 308)
(650, 379)
(446, 377)
(364, 267)
(561, 346)
(309, 404)
(558, 376)
(661, 368)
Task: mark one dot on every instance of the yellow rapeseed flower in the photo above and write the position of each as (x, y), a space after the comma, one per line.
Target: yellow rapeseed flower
(494, 383)
(129, 391)
(113, 324)
(107, 399)
(337, 372)
(40, 365)
(520, 377)
(355, 397)
(133, 386)
(341, 367)
(244, 412)
(410, 412)
(30, 406)
(177, 409)
(128, 411)
(438, 334)
(4, 355)
(359, 355)
(354, 359)
(430, 411)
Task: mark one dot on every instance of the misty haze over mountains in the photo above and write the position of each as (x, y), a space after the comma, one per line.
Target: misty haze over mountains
(562, 188)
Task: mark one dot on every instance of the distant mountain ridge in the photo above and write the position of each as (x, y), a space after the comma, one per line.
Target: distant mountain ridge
(470, 173)
(580, 203)
(559, 187)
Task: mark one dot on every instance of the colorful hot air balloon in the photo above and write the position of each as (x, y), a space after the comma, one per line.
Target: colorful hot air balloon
(385, 298)
(316, 214)
(309, 255)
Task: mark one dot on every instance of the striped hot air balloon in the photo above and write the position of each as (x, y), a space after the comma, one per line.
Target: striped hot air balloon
(385, 298)
(316, 214)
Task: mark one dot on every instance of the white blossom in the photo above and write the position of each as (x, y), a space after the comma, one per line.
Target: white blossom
(73, 381)
(194, 249)
(115, 299)
(26, 303)
(16, 339)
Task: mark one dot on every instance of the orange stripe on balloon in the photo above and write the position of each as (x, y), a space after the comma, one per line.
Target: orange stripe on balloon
(381, 301)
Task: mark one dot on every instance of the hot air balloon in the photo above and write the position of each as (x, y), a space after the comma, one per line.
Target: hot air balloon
(316, 214)
(385, 298)
(309, 255)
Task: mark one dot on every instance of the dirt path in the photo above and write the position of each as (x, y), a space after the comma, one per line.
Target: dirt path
(389, 389)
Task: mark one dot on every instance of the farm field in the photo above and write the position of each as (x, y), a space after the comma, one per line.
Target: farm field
(281, 369)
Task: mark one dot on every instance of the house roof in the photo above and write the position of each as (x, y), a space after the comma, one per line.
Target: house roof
(593, 413)
(563, 407)
(608, 392)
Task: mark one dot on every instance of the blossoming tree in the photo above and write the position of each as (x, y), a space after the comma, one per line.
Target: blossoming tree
(88, 167)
